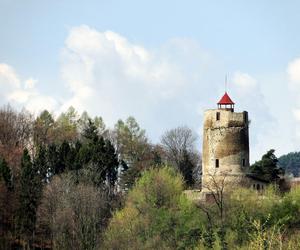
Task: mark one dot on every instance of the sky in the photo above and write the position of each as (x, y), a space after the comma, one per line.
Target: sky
(163, 62)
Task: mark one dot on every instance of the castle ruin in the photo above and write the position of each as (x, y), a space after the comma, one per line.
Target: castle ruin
(225, 153)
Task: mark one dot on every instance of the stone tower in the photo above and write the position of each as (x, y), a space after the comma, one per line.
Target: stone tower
(225, 144)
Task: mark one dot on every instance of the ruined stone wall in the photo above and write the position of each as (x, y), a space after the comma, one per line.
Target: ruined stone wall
(225, 140)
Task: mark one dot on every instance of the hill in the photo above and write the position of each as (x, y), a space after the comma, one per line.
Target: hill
(290, 163)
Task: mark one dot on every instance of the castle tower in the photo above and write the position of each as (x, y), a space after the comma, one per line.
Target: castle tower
(225, 144)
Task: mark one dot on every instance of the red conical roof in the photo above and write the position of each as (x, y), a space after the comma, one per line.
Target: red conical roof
(225, 99)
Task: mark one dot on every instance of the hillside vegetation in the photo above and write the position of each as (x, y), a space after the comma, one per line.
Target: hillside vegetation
(157, 215)
(69, 182)
(291, 163)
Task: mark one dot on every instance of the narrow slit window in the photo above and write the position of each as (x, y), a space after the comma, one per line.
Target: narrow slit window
(245, 117)
(244, 162)
(217, 163)
(218, 116)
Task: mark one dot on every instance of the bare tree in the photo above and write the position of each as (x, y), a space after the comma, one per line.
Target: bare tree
(179, 144)
(15, 135)
(73, 215)
(216, 188)
(15, 127)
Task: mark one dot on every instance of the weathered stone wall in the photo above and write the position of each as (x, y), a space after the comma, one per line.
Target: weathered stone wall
(227, 140)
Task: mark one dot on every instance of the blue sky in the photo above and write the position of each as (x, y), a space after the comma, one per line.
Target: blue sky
(163, 62)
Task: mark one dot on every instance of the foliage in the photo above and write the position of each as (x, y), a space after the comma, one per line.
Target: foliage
(30, 192)
(99, 156)
(179, 144)
(44, 128)
(266, 169)
(65, 188)
(133, 150)
(74, 214)
(5, 174)
(156, 215)
(290, 163)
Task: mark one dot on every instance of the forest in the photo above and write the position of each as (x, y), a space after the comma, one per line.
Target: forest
(70, 182)
(291, 163)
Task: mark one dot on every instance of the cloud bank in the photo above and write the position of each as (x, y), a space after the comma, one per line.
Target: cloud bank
(106, 74)
(23, 92)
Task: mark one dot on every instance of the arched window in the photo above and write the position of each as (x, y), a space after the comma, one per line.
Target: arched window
(257, 186)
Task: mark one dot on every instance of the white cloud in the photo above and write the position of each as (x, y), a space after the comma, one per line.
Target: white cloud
(8, 77)
(249, 96)
(163, 87)
(106, 73)
(296, 113)
(30, 83)
(171, 85)
(20, 93)
(293, 71)
(244, 81)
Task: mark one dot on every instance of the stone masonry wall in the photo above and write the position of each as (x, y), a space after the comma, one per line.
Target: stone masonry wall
(227, 140)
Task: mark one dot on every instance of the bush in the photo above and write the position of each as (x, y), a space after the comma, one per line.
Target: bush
(156, 215)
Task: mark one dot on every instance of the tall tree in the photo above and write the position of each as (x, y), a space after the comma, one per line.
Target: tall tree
(99, 156)
(43, 128)
(66, 126)
(156, 215)
(179, 144)
(15, 134)
(5, 174)
(267, 169)
(133, 150)
(30, 193)
(40, 163)
(72, 215)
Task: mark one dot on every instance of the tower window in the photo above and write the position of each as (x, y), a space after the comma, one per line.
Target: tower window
(245, 117)
(217, 163)
(244, 162)
(218, 116)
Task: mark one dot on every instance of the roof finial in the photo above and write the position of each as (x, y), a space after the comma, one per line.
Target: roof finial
(225, 83)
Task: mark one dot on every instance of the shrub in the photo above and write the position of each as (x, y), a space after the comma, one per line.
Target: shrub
(156, 215)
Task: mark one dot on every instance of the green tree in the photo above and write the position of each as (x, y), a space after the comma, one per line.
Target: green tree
(5, 174)
(267, 169)
(99, 156)
(66, 126)
(98, 122)
(133, 150)
(186, 167)
(156, 215)
(179, 145)
(30, 192)
(40, 163)
(290, 163)
(43, 128)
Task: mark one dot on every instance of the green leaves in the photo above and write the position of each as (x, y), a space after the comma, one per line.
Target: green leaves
(156, 215)
(266, 169)
(30, 193)
(5, 173)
